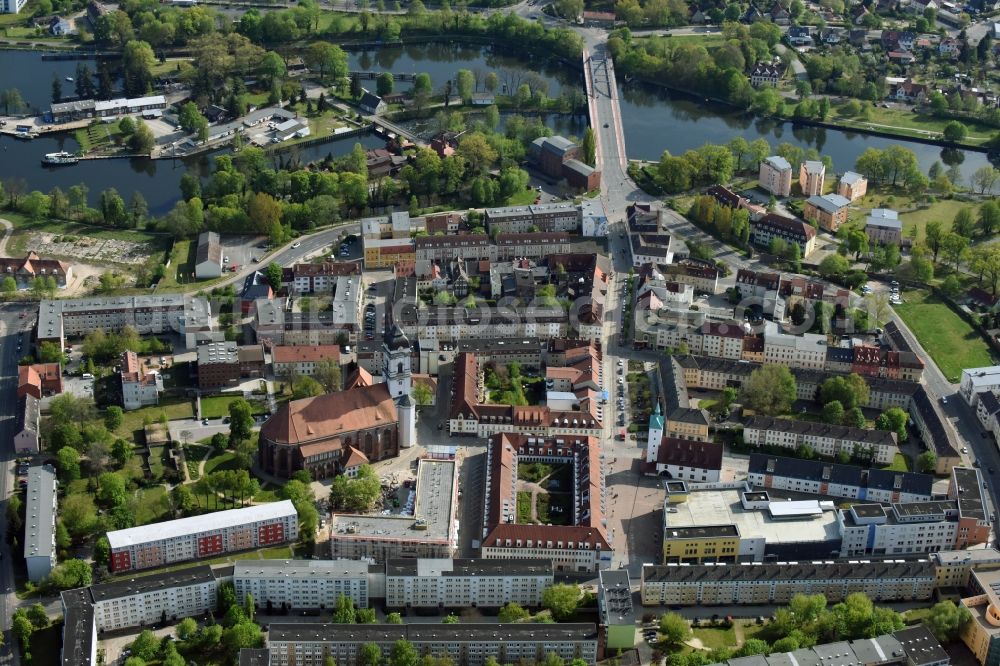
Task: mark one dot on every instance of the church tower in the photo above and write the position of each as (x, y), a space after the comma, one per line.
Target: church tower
(655, 434)
(396, 370)
(396, 363)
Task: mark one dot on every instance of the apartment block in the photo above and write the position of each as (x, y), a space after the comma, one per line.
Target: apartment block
(302, 360)
(829, 211)
(302, 584)
(812, 174)
(463, 644)
(148, 315)
(466, 583)
(912, 646)
(149, 600)
(977, 380)
(614, 603)
(40, 522)
(982, 634)
(786, 229)
(778, 582)
(852, 186)
(775, 176)
(884, 227)
(953, 568)
(540, 217)
(825, 439)
(835, 480)
(317, 278)
(203, 536)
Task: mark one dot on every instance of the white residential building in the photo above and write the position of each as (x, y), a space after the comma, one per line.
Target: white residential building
(824, 438)
(806, 351)
(776, 176)
(149, 600)
(11, 6)
(40, 522)
(208, 257)
(922, 527)
(466, 583)
(138, 387)
(977, 380)
(309, 584)
(466, 644)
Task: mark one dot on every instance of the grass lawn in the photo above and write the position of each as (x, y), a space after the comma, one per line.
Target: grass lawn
(156, 461)
(221, 463)
(900, 463)
(533, 472)
(522, 198)
(913, 213)
(268, 493)
(523, 507)
(153, 505)
(193, 455)
(951, 342)
(175, 408)
(906, 119)
(714, 638)
(217, 406)
(277, 553)
(99, 137)
(182, 257)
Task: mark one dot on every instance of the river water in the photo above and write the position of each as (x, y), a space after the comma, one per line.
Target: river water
(654, 121)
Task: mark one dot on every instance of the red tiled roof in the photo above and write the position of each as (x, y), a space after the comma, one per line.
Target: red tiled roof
(330, 415)
(306, 353)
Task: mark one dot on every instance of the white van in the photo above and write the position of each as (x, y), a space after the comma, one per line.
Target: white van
(87, 375)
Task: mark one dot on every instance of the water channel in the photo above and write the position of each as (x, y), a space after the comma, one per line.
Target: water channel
(654, 120)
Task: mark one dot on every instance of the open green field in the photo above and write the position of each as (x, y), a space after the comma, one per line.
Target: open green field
(522, 198)
(217, 406)
(152, 506)
(182, 258)
(900, 463)
(912, 212)
(174, 408)
(221, 463)
(98, 137)
(951, 342)
(713, 638)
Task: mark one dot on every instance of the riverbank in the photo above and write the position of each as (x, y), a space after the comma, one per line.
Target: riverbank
(842, 125)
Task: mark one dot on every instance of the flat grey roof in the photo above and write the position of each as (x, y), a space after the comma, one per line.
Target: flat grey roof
(78, 628)
(434, 507)
(783, 571)
(435, 567)
(326, 569)
(724, 508)
(127, 587)
(39, 512)
(424, 633)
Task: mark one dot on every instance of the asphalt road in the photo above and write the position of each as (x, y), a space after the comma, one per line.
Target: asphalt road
(10, 327)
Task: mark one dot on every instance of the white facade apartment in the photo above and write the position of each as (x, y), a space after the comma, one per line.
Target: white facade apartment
(141, 391)
(465, 583)
(11, 6)
(465, 644)
(40, 522)
(873, 530)
(149, 600)
(977, 380)
(203, 536)
(824, 439)
(309, 584)
(807, 351)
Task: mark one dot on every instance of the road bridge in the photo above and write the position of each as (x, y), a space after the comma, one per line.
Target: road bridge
(391, 130)
(371, 76)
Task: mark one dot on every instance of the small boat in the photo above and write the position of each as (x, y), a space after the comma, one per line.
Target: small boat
(70, 79)
(60, 158)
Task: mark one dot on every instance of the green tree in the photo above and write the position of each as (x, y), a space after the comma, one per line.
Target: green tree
(384, 84)
(142, 140)
(963, 224)
(394, 618)
(562, 599)
(851, 391)
(989, 217)
(240, 420)
(273, 272)
(512, 612)
(769, 390)
(833, 265)
(422, 394)
(68, 461)
(137, 68)
(37, 616)
(146, 645)
(946, 620)
(927, 462)
(11, 99)
(403, 654)
(9, 285)
(675, 629)
(833, 412)
(589, 147)
(370, 654)
(954, 131)
(328, 373)
(113, 417)
(894, 420)
(305, 386)
(855, 418)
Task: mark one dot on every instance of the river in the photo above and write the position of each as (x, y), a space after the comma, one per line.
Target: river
(654, 121)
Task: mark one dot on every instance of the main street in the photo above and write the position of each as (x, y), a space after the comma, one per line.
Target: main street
(11, 326)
